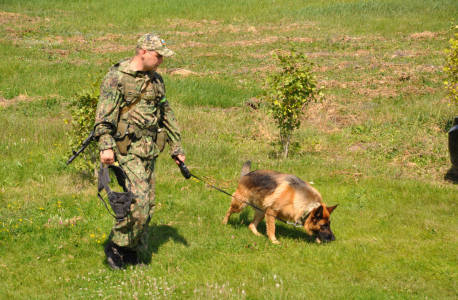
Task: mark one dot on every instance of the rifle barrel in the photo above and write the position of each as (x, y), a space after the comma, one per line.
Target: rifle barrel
(86, 143)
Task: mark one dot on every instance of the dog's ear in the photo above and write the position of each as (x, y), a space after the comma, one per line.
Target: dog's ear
(330, 209)
(318, 213)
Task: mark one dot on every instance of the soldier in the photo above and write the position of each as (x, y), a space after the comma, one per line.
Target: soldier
(133, 122)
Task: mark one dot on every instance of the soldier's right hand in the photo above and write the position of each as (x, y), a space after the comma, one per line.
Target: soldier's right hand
(107, 156)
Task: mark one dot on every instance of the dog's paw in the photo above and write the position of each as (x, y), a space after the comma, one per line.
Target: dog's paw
(276, 242)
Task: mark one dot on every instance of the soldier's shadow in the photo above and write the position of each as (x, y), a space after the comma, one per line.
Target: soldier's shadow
(281, 230)
(159, 235)
(451, 176)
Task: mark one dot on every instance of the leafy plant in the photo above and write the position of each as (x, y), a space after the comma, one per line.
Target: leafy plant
(451, 68)
(289, 91)
(82, 111)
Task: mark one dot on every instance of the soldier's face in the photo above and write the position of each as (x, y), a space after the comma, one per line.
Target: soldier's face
(152, 60)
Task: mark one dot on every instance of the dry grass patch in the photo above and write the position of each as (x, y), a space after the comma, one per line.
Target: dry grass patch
(328, 112)
(423, 35)
(268, 40)
(16, 19)
(7, 102)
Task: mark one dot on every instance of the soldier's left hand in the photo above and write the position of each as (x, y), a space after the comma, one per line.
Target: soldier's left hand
(178, 158)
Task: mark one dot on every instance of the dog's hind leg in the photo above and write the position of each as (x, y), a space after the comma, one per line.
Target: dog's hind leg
(271, 226)
(236, 207)
(258, 216)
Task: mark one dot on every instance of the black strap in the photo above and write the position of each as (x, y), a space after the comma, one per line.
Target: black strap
(119, 202)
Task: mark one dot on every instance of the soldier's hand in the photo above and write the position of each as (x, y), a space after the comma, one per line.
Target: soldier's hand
(178, 158)
(107, 156)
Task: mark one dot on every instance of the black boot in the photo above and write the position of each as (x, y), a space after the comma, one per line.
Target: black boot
(114, 255)
(130, 257)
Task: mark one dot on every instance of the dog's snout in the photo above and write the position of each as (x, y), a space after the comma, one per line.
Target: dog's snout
(327, 236)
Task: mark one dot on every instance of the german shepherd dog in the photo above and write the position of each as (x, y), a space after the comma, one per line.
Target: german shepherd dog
(283, 196)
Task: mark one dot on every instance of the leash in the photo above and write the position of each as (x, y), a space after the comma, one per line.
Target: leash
(186, 174)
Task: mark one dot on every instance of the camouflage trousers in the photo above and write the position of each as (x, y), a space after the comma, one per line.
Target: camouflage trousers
(133, 231)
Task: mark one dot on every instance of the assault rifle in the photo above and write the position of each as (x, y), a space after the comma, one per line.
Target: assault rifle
(86, 143)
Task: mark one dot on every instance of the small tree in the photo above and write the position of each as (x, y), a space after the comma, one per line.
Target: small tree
(289, 91)
(451, 68)
(82, 111)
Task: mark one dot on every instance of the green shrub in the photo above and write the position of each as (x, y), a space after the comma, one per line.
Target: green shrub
(451, 68)
(289, 91)
(82, 111)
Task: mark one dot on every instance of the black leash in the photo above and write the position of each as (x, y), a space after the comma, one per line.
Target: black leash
(186, 174)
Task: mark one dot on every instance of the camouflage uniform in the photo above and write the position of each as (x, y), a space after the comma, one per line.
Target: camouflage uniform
(139, 162)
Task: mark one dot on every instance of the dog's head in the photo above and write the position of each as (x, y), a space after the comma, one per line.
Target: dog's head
(319, 223)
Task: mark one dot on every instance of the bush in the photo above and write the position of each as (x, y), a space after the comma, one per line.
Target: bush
(82, 111)
(289, 91)
(451, 68)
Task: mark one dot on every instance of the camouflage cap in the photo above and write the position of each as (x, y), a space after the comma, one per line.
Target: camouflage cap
(151, 41)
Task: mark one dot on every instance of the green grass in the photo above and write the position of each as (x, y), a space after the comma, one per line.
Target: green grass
(377, 146)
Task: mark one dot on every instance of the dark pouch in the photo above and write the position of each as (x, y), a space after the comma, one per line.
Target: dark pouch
(161, 139)
(123, 139)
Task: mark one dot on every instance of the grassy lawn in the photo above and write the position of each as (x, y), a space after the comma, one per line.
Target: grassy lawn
(377, 146)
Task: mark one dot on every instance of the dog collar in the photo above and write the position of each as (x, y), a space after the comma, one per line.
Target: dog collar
(307, 212)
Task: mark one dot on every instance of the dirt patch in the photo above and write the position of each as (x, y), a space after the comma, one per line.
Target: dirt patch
(113, 48)
(76, 40)
(254, 55)
(356, 148)
(5, 102)
(16, 19)
(193, 45)
(261, 132)
(108, 37)
(211, 54)
(184, 33)
(231, 29)
(189, 24)
(383, 91)
(58, 52)
(423, 35)
(79, 62)
(330, 116)
(289, 27)
(181, 72)
(54, 39)
(268, 40)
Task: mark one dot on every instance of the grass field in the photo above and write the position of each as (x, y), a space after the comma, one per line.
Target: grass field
(377, 146)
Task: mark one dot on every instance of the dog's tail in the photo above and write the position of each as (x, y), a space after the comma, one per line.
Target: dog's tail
(246, 168)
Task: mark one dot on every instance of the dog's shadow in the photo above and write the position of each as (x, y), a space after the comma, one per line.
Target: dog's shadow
(281, 230)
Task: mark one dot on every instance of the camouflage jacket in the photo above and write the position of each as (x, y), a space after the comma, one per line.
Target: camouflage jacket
(143, 114)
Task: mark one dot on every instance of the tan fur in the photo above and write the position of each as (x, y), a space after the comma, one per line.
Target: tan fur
(283, 196)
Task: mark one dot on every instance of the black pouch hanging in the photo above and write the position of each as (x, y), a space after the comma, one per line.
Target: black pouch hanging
(119, 202)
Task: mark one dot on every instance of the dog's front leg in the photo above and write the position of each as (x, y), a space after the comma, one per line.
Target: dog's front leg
(271, 226)
(258, 216)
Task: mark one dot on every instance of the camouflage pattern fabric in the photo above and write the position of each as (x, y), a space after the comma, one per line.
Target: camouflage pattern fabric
(141, 155)
(152, 42)
(143, 115)
(133, 231)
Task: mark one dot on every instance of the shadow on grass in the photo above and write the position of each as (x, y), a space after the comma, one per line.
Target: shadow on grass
(159, 235)
(452, 176)
(281, 230)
